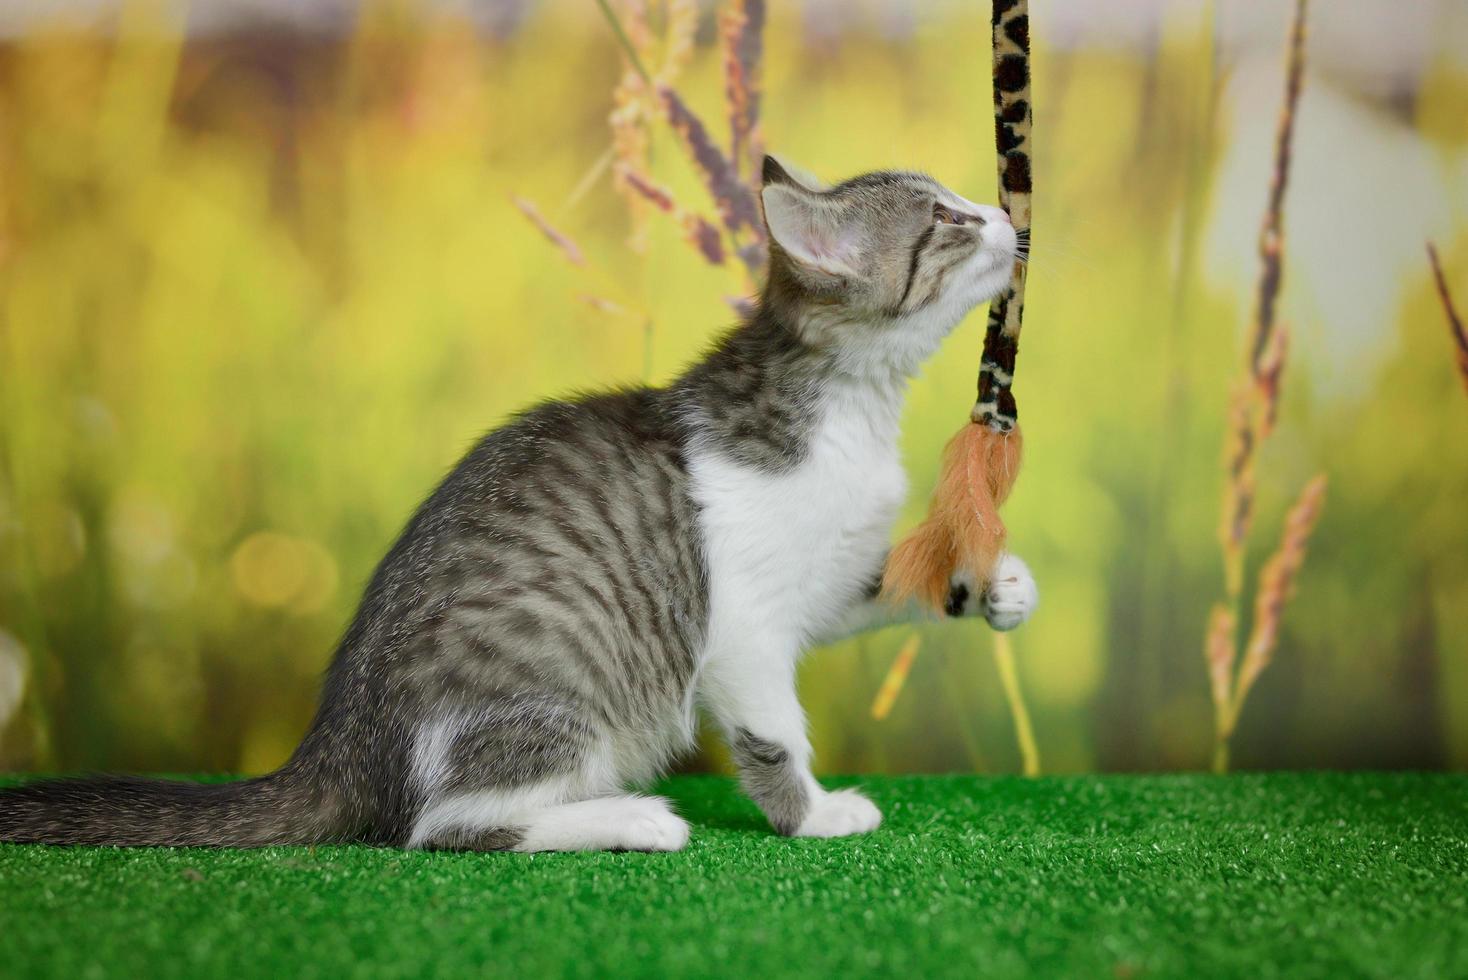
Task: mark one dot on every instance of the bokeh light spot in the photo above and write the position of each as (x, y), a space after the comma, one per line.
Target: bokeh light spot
(276, 570)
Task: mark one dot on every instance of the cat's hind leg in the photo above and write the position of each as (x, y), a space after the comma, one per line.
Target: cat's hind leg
(608, 823)
(528, 773)
(612, 823)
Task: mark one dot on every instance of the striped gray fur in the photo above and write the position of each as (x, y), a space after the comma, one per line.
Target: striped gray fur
(491, 839)
(770, 777)
(546, 606)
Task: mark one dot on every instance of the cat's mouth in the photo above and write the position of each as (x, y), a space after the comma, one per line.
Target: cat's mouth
(1003, 240)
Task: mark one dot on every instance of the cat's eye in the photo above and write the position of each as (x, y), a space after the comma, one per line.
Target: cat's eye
(944, 216)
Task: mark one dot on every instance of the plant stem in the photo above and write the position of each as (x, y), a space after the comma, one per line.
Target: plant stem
(1252, 422)
(1024, 733)
(1455, 323)
(625, 41)
(588, 180)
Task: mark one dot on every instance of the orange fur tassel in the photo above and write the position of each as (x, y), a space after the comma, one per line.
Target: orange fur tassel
(963, 528)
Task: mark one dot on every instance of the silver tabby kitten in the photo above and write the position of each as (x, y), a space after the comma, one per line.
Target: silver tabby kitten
(540, 636)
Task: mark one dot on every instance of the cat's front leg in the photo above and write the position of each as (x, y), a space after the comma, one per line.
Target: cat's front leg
(751, 692)
(1006, 604)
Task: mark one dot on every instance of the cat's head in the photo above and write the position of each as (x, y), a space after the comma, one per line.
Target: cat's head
(889, 258)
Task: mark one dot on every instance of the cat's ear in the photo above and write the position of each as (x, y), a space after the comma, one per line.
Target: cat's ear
(809, 230)
(805, 225)
(779, 171)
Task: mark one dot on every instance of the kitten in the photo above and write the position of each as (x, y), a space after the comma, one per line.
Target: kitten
(539, 637)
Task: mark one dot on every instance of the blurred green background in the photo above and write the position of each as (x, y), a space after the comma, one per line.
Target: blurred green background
(262, 282)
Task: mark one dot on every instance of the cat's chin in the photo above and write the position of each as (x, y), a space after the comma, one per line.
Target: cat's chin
(992, 282)
(994, 278)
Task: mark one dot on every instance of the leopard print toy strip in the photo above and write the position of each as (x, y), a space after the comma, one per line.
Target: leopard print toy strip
(995, 406)
(963, 530)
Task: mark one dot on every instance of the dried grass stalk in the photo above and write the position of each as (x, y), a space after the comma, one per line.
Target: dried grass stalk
(1455, 323)
(1221, 652)
(741, 26)
(1252, 415)
(1253, 411)
(733, 199)
(638, 97)
(602, 305)
(1267, 380)
(560, 239)
(703, 236)
(1024, 730)
(630, 144)
(630, 115)
(681, 28)
(697, 230)
(1238, 487)
(593, 173)
(632, 21)
(896, 677)
(1271, 235)
(1276, 584)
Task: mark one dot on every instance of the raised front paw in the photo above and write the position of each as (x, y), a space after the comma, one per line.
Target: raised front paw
(839, 814)
(1012, 597)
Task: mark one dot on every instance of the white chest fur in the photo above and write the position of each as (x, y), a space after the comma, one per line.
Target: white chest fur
(788, 553)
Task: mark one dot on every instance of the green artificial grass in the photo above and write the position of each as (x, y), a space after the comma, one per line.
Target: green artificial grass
(1310, 875)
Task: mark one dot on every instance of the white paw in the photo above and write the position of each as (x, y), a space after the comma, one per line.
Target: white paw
(1012, 596)
(839, 814)
(651, 825)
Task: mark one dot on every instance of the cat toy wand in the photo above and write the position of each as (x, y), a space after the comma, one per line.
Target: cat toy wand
(963, 529)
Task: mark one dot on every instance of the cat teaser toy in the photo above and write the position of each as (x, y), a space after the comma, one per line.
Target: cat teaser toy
(963, 530)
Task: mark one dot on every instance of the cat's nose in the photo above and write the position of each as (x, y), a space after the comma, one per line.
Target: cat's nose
(1000, 215)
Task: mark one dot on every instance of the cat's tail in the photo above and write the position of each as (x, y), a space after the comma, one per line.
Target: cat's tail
(281, 808)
